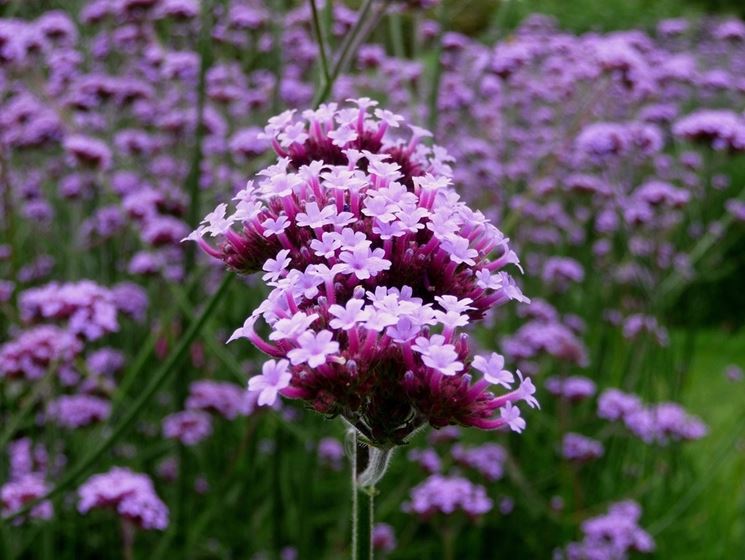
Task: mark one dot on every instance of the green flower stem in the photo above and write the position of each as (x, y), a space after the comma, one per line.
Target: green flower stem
(365, 513)
(321, 42)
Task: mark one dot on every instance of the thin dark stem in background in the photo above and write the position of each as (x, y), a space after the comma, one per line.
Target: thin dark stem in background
(321, 42)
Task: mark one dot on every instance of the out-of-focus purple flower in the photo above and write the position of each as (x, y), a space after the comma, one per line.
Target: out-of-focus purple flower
(89, 309)
(33, 352)
(736, 208)
(734, 373)
(427, 459)
(578, 448)
(77, 411)
(657, 423)
(447, 495)
(223, 398)
(487, 459)
(612, 536)
(16, 494)
(722, 129)
(130, 494)
(188, 426)
(383, 538)
(88, 152)
(562, 271)
(573, 388)
(331, 453)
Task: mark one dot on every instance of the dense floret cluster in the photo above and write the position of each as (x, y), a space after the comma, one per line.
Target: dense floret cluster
(376, 267)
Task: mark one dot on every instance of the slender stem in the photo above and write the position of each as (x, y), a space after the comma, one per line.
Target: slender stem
(344, 52)
(364, 492)
(321, 42)
(434, 91)
(192, 181)
(156, 382)
(128, 539)
(448, 544)
(352, 449)
(365, 519)
(8, 210)
(26, 411)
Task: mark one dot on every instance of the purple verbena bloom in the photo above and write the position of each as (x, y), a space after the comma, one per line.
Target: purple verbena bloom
(130, 494)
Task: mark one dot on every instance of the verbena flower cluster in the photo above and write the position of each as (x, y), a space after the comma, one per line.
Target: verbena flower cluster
(448, 495)
(657, 423)
(613, 536)
(131, 495)
(376, 266)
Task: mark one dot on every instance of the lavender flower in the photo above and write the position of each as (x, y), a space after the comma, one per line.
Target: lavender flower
(77, 411)
(375, 266)
(578, 448)
(331, 453)
(447, 495)
(487, 459)
(189, 426)
(383, 538)
(613, 535)
(130, 494)
(225, 399)
(16, 494)
(653, 424)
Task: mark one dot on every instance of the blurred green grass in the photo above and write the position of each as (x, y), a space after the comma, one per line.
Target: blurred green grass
(708, 520)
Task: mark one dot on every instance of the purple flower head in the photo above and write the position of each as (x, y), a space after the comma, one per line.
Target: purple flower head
(34, 352)
(130, 494)
(376, 267)
(613, 535)
(77, 411)
(658, 423)
(721, 129)
(88, 152)
(578, 448)
(225, 399)
(189, 426)
(383, 538)
(487, 459)
(16, 494)
(575, 388)
(447, 495)
(89, 309)
(427, 459)
(331, 453)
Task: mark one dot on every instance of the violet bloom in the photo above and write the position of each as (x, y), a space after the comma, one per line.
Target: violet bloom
(189, 426)
(331, 453)
(658, 423)
(376, 267)
(612, 536)
(427, 459)
(225, 399)
(16, 494)
(89, 309)
(33, 352)
(383, 538)
(130, 494)
(580, 449)
(574, 388)
(734, 373)
(447, 495)
(487, 459)
(77, 411)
